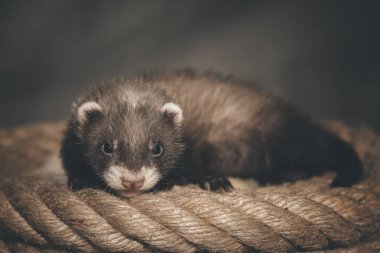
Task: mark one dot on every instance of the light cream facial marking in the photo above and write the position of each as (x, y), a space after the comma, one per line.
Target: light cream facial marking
(174, 110)
(131, 97)
(132, 100)
(115, 143)
(85, 108)
(115, 174)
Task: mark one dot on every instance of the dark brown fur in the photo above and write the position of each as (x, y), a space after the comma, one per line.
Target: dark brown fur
(230, 129)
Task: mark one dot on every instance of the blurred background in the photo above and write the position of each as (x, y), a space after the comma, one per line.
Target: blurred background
(323, 54)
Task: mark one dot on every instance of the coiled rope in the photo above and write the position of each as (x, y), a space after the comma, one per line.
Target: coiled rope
(42, 215)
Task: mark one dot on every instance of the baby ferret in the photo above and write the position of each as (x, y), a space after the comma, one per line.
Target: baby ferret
(155, 131)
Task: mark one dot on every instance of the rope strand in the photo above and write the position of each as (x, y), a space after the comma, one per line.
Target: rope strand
(44, 216)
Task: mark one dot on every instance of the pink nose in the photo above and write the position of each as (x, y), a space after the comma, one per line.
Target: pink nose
(132, 185)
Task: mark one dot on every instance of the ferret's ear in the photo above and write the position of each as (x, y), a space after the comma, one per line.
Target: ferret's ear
(88, 112)
(173, 112)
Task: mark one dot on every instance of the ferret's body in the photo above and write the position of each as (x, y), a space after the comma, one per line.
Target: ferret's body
(213, 127)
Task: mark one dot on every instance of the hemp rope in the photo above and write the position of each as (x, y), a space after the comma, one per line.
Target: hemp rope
(42, 215)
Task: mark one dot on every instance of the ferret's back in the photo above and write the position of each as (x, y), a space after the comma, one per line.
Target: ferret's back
(218, 106)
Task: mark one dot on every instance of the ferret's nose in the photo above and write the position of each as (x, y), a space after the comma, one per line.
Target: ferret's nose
(132, 185)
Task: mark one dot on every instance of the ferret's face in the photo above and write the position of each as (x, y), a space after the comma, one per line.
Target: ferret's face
(131, 149)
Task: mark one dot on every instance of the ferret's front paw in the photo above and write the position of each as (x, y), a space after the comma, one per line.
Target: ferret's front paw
(162, 186)
(216, 184)
(76, 184)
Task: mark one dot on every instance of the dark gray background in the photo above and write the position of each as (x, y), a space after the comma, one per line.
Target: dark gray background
(322, 54)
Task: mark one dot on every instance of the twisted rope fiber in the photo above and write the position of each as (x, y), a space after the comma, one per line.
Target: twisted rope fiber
(42, 215)
(185, 220)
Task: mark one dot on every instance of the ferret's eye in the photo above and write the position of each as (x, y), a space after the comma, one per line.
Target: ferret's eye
(157, 150)
(107, 148)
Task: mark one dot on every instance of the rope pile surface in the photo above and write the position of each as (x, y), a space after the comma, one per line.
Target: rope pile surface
(39, 214)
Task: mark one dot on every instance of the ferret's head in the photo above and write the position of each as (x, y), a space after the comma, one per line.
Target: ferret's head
(131, 148)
